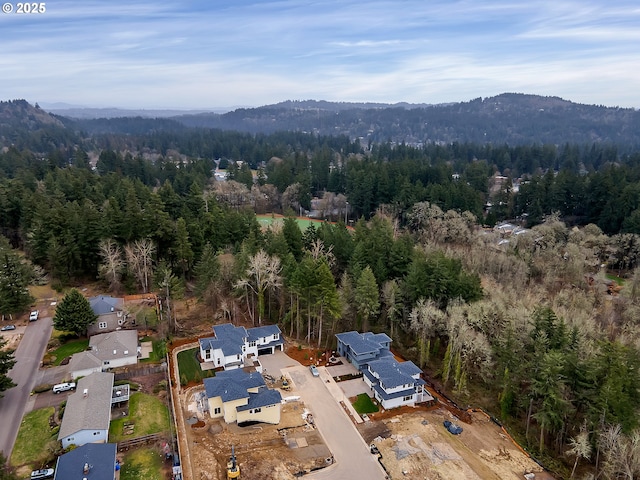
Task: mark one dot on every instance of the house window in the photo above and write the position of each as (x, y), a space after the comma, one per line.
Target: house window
(238, 356)
(218, 361)
(96, 433)
(252, 343)
(407, 398)
(276, 336)
(119, 314)
(106, 362)
(255, 410)
(102, 325)
(216, 411)
(120, 322)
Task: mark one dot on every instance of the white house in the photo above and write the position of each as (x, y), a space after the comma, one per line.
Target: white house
(106, 350)
(88, 411)
(234, 347)
(395, 384)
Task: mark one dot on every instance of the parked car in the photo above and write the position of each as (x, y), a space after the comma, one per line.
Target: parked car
(314, 371)
(7, 327)
(63, 387)
(43, 473)
(33, 316)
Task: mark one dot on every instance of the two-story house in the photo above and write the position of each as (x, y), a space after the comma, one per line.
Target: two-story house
(111, 314)
(395, 384)
(362, 348)
(235, 347)
(239, 396)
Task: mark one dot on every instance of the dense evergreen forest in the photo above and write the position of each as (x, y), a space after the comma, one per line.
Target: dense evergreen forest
(528, 326)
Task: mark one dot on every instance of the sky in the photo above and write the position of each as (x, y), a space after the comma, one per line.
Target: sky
(224, 54)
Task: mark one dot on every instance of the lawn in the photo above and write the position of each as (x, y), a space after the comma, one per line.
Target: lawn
(35, 439)
(142, 463)
(68, 349)
(148, 414)
(189, 367)
(159, 352)
(363, 404)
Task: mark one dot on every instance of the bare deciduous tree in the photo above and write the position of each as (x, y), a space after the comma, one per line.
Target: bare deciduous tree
(262, 275)
(112, 263)
(140, 259)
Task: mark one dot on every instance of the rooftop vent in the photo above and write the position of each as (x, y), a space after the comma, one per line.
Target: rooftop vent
(85, 393)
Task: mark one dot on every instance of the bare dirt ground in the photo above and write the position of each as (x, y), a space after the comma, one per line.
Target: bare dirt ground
(263, 451)
(416, 445)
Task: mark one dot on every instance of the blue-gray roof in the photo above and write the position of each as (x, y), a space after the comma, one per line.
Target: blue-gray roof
(232, 384)
(101, 458)
(392, 374)
(228, 338)
(103, 304)
(361, 343)
(265, 331)
(265, 397)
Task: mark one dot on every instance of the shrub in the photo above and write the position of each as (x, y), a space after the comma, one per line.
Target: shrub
(43, 387)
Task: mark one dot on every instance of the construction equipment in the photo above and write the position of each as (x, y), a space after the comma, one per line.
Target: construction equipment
(233, 470)
(286, 386)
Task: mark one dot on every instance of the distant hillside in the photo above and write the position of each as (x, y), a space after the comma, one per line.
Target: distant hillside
(25, 126)
(509, 118)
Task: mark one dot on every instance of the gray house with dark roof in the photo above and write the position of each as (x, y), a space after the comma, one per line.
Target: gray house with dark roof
(362, 348)
(236, 347)
(88, 411)
(111, 314)
(93, 461)
(239, 396)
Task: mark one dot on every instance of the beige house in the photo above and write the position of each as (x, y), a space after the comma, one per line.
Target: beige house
(238, 396)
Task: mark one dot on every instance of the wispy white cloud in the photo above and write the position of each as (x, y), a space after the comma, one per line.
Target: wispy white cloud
(204, 54)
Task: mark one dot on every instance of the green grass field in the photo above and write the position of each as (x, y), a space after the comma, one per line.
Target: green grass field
(68, 349)
(148, 414)
(142, 463)
(189, 367)
(363, 404)
(35, 439)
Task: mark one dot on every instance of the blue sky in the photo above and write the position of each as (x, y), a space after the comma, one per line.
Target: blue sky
(206, 54)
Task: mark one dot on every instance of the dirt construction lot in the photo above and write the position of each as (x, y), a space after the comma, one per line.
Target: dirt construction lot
(413, 444)
(416, 445)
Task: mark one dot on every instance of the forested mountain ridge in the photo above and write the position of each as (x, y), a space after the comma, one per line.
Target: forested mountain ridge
(514, 119)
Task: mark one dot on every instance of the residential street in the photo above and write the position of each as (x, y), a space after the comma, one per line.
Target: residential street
(24, 374)
(352, 456)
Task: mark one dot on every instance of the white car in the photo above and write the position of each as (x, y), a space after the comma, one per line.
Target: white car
(44, 473)
(63, 387)
(33, 316)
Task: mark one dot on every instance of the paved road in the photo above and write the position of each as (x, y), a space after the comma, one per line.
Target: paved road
(24, 373)
(352, 456)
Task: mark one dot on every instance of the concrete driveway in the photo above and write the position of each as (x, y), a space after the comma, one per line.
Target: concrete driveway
(351, 454)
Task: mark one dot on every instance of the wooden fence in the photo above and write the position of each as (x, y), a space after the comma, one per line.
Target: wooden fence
(143, 440)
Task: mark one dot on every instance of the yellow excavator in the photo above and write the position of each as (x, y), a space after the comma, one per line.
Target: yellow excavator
(233, 469)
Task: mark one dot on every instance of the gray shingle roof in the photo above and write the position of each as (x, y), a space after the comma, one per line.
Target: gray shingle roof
(263, 398)
(103, 304)
(361, 343)
(90, 412)
(232, 384)
(257, 333)
(84, 361)
(393, 374)
(121, 341)
(101, 458)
